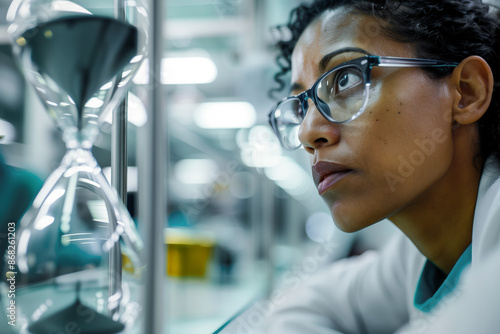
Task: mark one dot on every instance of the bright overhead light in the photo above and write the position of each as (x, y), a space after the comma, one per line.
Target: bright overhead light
(225, 115)
(180, 71)
(196, 171)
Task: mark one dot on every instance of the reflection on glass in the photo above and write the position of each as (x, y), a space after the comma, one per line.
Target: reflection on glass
(77, 263)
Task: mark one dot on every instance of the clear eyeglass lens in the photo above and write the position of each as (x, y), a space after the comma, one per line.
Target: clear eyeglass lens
(288, 119)
(341, 94)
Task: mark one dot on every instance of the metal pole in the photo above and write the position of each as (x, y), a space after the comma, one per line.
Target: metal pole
(119, 182)
(152, 186)
(119, 151)
(118, 178)
(119, 132)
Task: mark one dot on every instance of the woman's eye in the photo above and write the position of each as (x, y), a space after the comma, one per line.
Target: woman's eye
(347, 80)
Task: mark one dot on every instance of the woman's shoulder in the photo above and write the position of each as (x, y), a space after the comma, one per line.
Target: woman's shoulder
(486, 229)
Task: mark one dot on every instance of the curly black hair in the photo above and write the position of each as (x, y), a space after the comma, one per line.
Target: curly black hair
(448, 30)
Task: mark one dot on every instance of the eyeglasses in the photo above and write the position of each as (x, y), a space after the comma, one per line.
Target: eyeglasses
(340, 95)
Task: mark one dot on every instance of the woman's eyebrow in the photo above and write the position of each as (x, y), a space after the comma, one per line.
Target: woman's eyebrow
(324, 61)
(295, 87)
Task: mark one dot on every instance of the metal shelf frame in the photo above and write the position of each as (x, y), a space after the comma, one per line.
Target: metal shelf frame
(152, 170)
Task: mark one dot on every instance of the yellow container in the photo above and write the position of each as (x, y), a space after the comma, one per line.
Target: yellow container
(188, 253)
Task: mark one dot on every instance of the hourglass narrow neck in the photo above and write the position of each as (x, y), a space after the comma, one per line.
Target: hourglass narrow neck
(79, 156)
(80, 139)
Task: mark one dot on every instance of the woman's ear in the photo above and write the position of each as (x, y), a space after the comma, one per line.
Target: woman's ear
(473, 81)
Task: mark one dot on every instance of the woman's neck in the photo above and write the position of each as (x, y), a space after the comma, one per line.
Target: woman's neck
(440, 221)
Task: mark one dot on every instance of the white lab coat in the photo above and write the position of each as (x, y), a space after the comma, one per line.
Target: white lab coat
(374, 293)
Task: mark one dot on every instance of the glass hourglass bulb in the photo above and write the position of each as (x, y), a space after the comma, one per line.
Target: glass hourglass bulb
(78, 258)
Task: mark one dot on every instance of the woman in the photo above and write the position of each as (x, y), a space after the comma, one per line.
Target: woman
(396, 103)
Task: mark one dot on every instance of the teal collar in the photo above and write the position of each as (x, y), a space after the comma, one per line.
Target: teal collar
(434, 284)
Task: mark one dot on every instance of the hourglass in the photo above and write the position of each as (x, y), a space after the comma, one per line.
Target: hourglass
(76, 261)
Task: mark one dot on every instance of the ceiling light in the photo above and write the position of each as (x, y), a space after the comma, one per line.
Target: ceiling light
(224, 115)
(180, 71)
(196, 171)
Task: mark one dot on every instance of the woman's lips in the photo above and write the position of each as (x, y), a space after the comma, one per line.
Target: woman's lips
(327, 174)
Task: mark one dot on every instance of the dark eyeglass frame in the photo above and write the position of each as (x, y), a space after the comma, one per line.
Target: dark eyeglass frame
(365, 64)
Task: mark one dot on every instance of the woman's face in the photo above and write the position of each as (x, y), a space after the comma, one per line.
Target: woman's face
(388, 159)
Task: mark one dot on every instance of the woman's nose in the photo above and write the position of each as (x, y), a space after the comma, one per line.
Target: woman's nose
(316, 131)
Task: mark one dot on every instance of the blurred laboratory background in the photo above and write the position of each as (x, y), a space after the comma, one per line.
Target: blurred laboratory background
(241, 211)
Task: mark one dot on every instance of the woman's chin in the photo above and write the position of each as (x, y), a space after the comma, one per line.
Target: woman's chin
(347, 227)
(352, 221)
